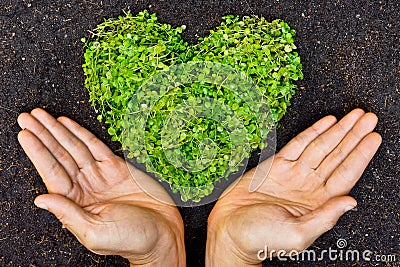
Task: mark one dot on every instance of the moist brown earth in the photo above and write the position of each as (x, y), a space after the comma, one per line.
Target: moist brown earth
(351, 58)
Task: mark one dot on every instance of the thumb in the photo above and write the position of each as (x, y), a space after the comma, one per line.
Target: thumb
(72, 216)
(325, 217)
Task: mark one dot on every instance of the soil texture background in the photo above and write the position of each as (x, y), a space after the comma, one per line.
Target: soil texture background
(350, 52)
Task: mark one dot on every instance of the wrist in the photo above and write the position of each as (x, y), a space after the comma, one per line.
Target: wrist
(171, 253)
(169, 249)
(221, 251)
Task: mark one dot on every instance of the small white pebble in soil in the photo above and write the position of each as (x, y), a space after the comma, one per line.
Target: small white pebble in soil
(358, 16)
(29, 5)
(23, 59)
(183, 27)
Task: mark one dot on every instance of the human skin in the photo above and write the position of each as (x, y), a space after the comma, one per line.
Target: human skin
(94, 194)
(304, 190)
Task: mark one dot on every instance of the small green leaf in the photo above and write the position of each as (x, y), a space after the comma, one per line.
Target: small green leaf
(123, 53)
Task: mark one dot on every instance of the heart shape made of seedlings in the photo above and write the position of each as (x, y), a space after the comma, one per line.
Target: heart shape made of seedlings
(124, 54)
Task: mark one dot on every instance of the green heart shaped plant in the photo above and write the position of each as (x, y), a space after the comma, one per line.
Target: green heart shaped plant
(124, 53)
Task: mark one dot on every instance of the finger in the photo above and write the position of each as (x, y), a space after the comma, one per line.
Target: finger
(320, 147)
(27, 121)
(98, 149)
(76, 148)
(296, 146)
(363, 127)
(53, 174)
(72, 216)
(350, 170)
(325, 217)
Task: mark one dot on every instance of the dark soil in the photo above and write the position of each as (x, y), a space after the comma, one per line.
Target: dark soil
(351, 58)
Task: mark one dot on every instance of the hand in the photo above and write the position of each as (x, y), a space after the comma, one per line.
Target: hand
(94, 195)
(301, 197)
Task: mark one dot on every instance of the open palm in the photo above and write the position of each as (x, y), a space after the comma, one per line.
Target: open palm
(93, 193)
(302, 192)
